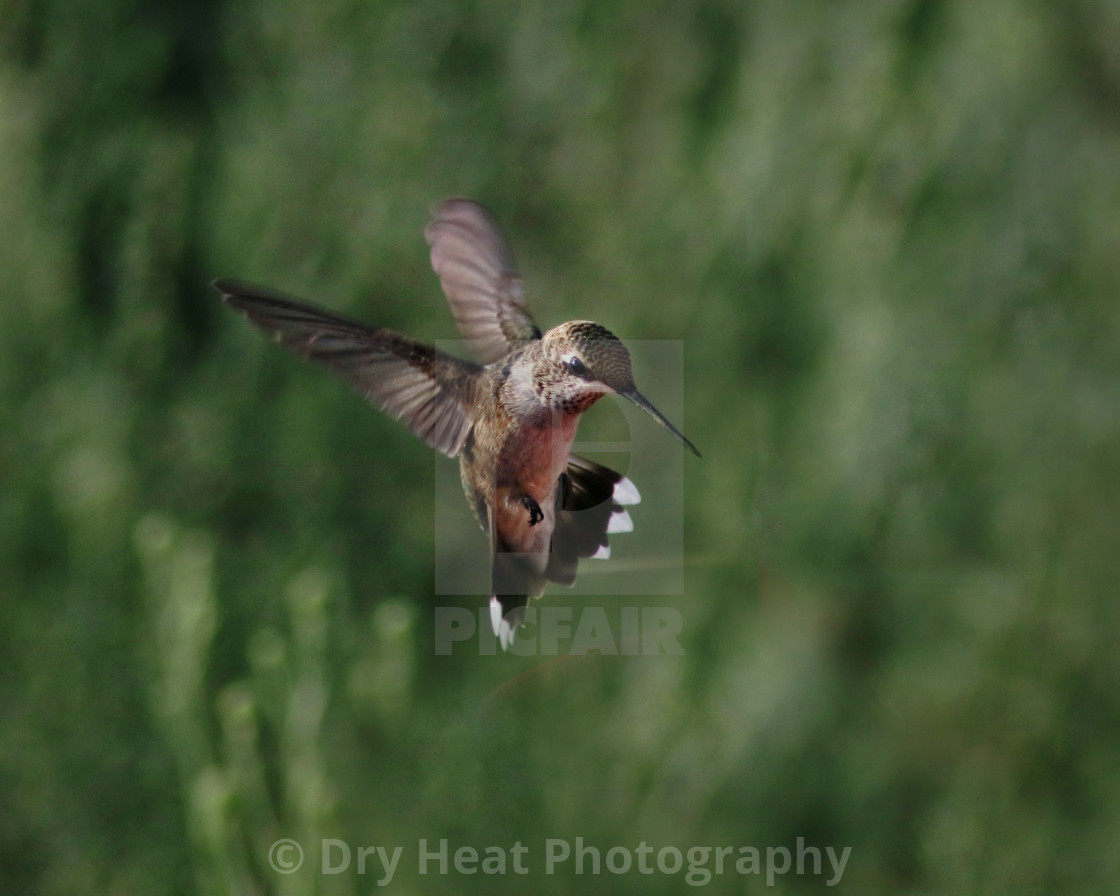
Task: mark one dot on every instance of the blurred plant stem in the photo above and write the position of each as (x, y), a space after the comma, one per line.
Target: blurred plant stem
(233, 819)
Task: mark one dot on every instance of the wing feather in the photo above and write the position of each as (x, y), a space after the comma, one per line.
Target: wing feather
(432, 393)
(479, 276)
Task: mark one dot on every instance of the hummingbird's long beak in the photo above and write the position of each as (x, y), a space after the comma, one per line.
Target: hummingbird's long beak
(635, 396)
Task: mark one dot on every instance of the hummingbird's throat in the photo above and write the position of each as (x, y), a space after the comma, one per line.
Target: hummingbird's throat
(575, 405)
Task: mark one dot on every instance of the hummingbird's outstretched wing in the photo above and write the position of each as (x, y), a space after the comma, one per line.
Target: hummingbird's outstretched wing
(429, 391)
(479, 276)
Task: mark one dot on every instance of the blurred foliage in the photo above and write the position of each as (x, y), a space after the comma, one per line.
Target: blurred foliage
(887, 233)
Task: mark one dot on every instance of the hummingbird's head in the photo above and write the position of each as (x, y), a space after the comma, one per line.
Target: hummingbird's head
(582, 362)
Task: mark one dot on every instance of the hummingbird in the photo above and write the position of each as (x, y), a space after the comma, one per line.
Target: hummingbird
(510, 415)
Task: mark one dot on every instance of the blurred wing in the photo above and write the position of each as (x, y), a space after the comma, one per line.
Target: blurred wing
(429, 391)
(479, 276)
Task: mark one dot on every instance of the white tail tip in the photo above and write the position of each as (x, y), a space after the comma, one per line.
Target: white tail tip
(505, 626)
(626, 493)
(620, 522)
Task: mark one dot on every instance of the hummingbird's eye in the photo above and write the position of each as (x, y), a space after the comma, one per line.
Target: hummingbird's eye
(575, 366)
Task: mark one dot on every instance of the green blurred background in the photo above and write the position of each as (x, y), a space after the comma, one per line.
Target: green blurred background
(888, 234)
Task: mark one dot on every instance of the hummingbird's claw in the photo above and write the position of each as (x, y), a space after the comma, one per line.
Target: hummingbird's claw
(535, 512)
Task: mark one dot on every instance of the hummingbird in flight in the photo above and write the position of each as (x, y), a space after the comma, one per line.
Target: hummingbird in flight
(510, 415)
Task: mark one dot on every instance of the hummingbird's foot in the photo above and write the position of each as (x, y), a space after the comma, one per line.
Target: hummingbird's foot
(535, 512)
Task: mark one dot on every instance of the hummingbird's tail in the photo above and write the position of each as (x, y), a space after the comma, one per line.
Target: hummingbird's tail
(591, 503)
(516, 579)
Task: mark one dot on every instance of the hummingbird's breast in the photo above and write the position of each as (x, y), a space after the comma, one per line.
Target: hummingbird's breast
(518, 461)
(504, 450)
(517, 447)
(538, 437)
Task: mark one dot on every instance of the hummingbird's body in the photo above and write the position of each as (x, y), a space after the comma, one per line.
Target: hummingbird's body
(511, 419)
